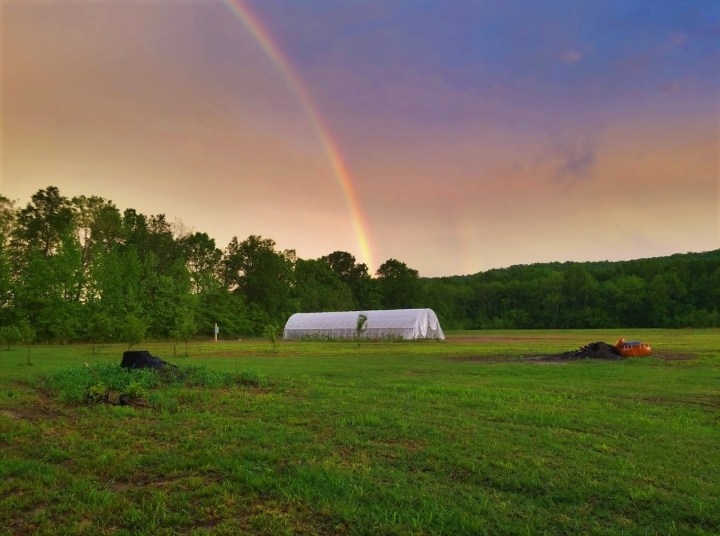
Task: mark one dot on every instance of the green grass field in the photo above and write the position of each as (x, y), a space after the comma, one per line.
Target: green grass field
(465, 436)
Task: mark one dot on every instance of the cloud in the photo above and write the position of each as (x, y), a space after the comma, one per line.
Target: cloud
(578, 165)
(578, 160)
(571, 56)
(670, 88)
(678, 39)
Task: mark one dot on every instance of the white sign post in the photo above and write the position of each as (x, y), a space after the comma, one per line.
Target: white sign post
(217, 330)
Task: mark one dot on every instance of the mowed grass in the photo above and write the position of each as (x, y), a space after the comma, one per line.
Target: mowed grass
(466, 436)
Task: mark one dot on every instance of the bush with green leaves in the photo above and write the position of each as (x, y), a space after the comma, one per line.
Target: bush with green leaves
(97, 393)
(135, 390)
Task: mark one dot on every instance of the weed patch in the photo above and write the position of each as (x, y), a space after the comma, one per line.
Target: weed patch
(109, 383)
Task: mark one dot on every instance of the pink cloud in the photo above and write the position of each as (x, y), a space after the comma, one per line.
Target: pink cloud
(571, 56)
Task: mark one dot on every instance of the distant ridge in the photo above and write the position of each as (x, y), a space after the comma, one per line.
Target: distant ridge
(675, 291)
(712, 255)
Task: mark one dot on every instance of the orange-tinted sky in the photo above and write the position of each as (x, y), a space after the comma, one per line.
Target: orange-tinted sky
(475, 134)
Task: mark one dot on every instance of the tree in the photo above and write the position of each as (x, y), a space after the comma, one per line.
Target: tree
(226, 308)
(400, 286)
(203, 260)
(47, 269)
(47, 291)
(44, 221)
(184, 327)
(116, 285)
(162, 244)
(263, 275)
(8, 216)
(6, 284)
(628, 294)
(270, 332)
(666, 300)
(343, 264)
(102, 328)
(135, 231)
(27, 336)
(7, 222)
(364, 291)
(551, 300)
(98, 227)
(319, 288)
(451, 300)
(63, 310)
(182, 307)
(10, 335)
(579, 288)
(158, 298)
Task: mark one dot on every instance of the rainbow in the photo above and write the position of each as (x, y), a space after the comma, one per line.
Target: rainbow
(262, 37)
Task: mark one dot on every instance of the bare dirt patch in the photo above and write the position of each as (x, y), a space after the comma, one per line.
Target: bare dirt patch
(593, 350)
(704, 401)
(38, 410)
(485, 358)
(475, 338)
(142, 481)
(249, 353)
(408, 444)
(668, 356)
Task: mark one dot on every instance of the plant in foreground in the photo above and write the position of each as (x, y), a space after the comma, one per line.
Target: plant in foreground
(360, 327)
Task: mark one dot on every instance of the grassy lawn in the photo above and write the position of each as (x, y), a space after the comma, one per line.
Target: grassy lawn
(466, 436)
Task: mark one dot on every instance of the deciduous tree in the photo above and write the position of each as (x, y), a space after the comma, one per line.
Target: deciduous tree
(399, 285)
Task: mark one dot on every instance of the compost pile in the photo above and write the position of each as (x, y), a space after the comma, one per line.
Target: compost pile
(594, 350)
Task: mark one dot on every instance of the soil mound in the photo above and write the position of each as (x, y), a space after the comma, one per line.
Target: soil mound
(594, 350)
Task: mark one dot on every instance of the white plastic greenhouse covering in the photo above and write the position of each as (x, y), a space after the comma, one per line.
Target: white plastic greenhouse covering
(397, 323)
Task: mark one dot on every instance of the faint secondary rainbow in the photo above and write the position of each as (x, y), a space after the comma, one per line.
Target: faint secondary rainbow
(260, 34)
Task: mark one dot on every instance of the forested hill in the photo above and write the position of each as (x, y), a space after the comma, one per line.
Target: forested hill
(80, 270)
(680, 290)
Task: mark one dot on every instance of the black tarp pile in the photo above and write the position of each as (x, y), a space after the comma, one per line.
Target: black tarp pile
(138, 359)
(594, 350)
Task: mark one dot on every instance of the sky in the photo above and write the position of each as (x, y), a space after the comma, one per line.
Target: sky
(455, 136)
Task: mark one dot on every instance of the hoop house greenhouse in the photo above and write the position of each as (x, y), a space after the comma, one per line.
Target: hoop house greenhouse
(393, 324)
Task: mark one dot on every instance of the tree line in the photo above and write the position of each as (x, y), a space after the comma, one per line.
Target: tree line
(79, 269)
(677, 291)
